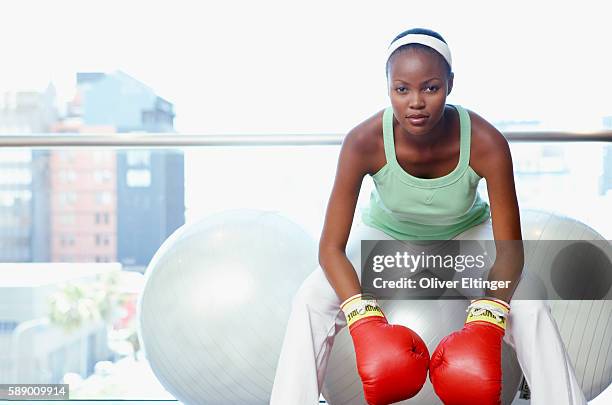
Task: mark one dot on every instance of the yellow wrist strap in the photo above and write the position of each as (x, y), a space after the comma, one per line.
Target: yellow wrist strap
(359, 307)
(488, 310)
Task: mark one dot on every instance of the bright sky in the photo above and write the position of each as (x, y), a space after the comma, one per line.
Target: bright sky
(315, 66)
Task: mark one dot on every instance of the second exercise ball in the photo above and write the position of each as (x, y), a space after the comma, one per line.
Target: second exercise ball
(215, 304)
(585, 325)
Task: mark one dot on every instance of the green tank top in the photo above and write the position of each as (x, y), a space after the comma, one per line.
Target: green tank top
(412, 208)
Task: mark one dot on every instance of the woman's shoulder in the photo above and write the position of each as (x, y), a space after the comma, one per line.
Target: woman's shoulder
(485, 137)
(366, 137)
(488, 144)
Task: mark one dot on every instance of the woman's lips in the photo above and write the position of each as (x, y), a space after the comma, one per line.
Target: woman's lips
(418, 120)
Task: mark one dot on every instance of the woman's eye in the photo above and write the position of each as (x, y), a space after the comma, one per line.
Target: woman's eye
(401, 89)
(431, 89)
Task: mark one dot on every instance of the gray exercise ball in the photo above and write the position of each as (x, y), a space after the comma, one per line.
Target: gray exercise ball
(585, 326)
(216, 301)
(432, 320)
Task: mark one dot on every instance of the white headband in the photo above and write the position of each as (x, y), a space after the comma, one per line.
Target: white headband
(422, 39)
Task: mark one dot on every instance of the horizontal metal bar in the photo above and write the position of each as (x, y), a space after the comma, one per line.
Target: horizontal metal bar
(559, 136)
(165, 140)
(179, 140)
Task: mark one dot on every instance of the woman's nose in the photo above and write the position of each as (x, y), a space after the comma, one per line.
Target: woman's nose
(416, 102)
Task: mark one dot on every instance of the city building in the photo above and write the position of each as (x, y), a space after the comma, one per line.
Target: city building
(83, 199)
(150, 192)
(24, 191)
(605, 182)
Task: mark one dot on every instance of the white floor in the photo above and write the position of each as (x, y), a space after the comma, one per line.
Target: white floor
(605, 398)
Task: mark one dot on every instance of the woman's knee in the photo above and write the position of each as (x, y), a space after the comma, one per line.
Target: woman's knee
(315, 290)
(304, 294)
(520, 308)
(526, 317)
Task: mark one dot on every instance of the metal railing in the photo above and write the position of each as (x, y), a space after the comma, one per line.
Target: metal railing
(180, 140)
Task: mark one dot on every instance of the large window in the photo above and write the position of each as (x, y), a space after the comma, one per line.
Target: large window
(80, 221)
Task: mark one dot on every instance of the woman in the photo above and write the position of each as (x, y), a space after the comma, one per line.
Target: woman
(426, 159)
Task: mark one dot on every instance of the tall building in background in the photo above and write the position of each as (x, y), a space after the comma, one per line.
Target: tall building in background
(121, 101)
(83, 199)
(150, 191)
(605, 182)
(24, 188)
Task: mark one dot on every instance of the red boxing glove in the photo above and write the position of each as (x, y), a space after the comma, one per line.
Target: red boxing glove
(465, 368)
(392, 360)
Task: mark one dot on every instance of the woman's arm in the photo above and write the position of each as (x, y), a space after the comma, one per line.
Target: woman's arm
(494, 163)
(353, 164)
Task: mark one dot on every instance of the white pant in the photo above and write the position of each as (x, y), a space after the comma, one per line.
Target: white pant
(316, 318)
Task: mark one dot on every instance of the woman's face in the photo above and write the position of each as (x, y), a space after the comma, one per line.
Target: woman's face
(418, 86)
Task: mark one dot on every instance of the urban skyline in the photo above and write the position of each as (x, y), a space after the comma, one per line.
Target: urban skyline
(90, 205)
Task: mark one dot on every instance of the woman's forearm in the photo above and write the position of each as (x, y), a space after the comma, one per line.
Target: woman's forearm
(340, 273)
(508, 266)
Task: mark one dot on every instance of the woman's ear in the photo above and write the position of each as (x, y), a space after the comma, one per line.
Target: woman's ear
(450, 83)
